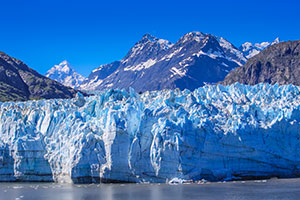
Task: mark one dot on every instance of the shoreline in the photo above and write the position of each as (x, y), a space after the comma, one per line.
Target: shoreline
(184, 182)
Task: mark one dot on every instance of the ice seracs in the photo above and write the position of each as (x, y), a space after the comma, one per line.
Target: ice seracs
(65, 74)
(213, 133)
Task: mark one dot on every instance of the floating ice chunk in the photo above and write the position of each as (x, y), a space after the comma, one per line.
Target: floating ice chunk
(79, 100)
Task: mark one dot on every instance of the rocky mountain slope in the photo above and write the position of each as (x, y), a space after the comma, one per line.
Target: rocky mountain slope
(251, 50)
(18, 82)
(279, 63)
(65, 74)
(214, 133)
(154, 64)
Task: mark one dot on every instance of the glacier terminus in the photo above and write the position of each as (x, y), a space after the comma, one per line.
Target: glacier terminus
(214, 133)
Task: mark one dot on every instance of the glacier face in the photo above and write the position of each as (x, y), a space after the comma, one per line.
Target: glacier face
(214, 133)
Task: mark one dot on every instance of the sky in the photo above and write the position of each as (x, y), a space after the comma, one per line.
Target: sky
(90, 33)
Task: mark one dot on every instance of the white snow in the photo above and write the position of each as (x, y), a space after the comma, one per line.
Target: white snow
(109, 85)
(176, 71)
(225, 64)
(92, 84)
(144, 65)
(65, 74)
(98, 69)
(169, 56)
(240, 58)
(251, 50)
(213, 55)
(195, 35)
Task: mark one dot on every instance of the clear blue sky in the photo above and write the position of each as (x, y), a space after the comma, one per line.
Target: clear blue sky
(89, 33)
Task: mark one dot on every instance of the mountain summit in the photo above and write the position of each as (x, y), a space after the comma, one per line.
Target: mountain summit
(65, 74)
(154, 64)
(138, 58)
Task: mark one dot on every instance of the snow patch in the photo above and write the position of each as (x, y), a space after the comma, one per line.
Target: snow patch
(144, 65)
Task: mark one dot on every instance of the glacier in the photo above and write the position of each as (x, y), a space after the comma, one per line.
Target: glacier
(214, 133)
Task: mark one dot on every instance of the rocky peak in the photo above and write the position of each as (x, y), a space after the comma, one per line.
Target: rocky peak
(64, 67)
(251, 50)
(149, 37)
(192, 36)
(276, 41)
(148, 47)
(65, 74)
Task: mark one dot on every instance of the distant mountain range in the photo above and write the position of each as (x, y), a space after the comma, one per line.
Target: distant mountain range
(279, 63)
(250, 50)
(18, 82)
(154, 64)
(194, 60)
(65, 74)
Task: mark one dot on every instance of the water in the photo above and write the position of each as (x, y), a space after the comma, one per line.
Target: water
(270, 189)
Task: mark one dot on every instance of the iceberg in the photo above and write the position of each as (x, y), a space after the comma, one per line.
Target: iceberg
(213, 133)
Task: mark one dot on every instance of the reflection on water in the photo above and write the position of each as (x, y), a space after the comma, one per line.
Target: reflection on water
(271, 189)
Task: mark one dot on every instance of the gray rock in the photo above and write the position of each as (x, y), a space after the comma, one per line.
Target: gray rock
(279, 63)
(18, 82)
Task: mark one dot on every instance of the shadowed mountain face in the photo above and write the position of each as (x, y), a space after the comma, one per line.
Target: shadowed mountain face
(18, 82)
(279, 63)
(154, 64)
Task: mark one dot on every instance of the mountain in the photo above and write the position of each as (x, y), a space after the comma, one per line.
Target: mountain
(251, 50)
(154, 64)
(18, 82)
(216, 133)
(65, 74)
(98, 75)
(140, 56)
(279, 63)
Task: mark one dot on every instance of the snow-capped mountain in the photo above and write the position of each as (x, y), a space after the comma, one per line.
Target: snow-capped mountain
(65, 74)
(153, 64)
(138, 58)
(251, 50)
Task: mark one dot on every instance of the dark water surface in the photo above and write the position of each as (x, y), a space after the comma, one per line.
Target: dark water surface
(270, 189)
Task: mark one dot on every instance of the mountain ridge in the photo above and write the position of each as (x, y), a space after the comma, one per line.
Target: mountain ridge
(279, 63)
(192, 61)
(18, 82)
(251, 50)
(154, 64)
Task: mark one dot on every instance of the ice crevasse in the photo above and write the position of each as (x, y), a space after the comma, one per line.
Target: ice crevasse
(213, 133)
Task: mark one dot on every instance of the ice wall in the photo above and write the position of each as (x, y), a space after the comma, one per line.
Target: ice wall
(214, 133)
